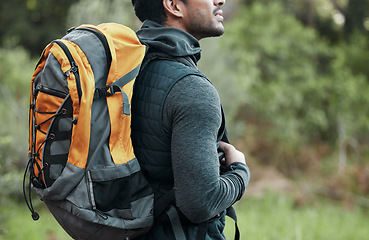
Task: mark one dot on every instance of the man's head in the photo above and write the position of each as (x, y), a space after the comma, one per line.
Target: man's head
(200, 18)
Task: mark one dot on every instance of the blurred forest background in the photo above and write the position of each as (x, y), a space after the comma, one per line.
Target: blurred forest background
(293, 77)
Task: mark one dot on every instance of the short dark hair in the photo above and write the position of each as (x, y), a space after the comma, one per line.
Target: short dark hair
(150, 10)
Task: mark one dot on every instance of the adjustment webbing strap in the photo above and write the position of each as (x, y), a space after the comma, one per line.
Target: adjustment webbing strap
(111, 90)
(232, 214)
(176, 223)
(126, 107)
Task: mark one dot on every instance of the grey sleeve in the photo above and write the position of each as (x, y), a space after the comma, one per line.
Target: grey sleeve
(192, 116)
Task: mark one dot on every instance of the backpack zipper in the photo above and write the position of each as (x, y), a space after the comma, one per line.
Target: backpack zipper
(73, 69)
(51, 91)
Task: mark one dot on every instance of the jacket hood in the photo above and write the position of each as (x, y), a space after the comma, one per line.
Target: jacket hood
(172, 41)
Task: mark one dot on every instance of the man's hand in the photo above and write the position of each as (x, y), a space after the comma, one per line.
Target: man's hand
(231, 155)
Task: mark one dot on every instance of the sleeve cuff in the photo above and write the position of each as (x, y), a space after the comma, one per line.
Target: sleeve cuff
(243, 173)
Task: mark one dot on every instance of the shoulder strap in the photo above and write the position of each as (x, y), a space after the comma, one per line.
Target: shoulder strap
(232, 214)
(222, 134)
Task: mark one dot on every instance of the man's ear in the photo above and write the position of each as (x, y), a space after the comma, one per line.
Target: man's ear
(173, 7)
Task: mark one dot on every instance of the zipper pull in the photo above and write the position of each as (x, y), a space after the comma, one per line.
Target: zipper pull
(74, 69)
(37, 89)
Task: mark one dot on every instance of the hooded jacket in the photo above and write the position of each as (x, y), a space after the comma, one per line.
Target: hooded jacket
(176, 116)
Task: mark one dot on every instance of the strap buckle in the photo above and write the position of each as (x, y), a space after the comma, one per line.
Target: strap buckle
(104, 91)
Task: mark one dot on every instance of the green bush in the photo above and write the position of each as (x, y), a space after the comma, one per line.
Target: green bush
(16, 68)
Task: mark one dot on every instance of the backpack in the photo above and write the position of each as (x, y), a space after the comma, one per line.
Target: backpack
(81, 159)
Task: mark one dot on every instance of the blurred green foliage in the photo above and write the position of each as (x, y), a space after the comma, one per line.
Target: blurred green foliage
(284, 68)
(32, 23)
(15, 71)
(16, 223)
(100, 11)
(294, 97)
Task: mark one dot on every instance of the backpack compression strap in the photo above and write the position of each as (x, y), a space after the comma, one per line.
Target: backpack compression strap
(117, 87)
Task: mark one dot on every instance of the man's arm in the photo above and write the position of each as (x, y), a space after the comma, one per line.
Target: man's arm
(192, 115)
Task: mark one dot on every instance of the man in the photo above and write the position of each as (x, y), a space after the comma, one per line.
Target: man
(177, 119)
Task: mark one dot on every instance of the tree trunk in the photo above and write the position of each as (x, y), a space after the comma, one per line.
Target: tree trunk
(355, 14)
(342, 157)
